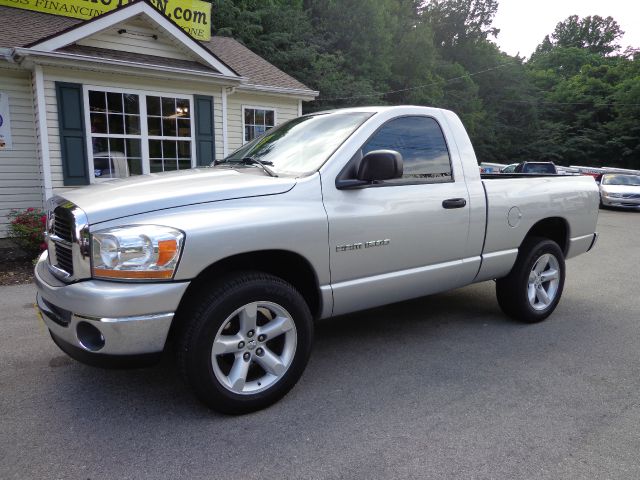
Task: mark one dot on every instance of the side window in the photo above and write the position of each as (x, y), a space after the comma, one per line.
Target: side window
(422, 145)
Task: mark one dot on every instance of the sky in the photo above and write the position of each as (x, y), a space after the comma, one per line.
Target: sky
(523, 25)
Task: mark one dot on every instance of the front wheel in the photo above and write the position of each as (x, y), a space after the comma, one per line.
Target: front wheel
(532, 290)
(247, 343)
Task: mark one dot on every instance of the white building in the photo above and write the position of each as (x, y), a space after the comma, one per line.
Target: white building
(126, 93)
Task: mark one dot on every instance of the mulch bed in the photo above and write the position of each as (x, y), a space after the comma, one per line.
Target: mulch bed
(16, 267)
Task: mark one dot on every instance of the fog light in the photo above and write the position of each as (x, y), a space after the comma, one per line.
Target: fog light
(89, 337)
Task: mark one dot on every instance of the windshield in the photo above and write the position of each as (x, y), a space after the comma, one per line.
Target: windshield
(621, 180)
(299, 146)
(539, 168)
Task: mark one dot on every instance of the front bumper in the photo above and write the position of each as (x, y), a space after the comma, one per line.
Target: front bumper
(107, 318)
(620, 202)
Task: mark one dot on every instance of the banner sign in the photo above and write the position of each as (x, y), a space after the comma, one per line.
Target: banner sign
(193, 16)
(5, 123)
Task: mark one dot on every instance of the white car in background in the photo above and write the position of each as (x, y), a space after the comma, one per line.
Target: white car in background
(620, 190)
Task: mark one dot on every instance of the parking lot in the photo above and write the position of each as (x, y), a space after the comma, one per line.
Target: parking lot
(440, 387)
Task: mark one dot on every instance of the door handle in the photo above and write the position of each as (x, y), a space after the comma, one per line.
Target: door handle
(454, 203)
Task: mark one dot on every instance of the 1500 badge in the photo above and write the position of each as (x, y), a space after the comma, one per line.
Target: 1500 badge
(361, 246)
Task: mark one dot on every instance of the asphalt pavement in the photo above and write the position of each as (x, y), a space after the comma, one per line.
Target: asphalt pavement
(442, 387)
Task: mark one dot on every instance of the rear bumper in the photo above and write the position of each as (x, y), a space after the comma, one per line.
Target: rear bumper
(107, 318)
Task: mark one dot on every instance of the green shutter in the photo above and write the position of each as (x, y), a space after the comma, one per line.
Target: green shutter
(72, 133)
(205, 138)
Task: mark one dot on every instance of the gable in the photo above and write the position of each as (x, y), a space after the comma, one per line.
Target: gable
(133, 12)
(138, 35)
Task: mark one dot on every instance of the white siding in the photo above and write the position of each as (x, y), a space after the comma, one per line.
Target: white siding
(138, 39)
(52, 75)
(286, 109)
(20, 179)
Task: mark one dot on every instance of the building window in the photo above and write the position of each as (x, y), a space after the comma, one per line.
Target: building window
(169, 130)
(136, 133)
(115, 134)
(257, 121)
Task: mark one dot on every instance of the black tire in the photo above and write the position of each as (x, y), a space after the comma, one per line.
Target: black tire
(198, 332)
(512, 291)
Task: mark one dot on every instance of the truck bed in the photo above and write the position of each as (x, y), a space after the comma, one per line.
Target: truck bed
(515, 202)
(520, 175)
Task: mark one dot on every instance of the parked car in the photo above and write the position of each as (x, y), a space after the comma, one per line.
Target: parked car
(536, 167)
(620, 190)
(511, 168)
(327, 214)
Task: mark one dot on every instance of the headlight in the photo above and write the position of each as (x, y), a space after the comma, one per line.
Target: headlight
(138, 252)
(613, 195)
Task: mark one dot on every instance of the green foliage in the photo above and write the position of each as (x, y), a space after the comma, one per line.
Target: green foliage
(26, 229)
(590, 106)
(574, 102)
(595, 34)
(457, 22)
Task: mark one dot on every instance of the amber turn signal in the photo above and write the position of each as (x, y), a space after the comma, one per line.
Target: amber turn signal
(167, 250)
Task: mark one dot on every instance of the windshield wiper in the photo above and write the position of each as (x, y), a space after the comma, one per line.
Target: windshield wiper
(250, 161)
(255, 161)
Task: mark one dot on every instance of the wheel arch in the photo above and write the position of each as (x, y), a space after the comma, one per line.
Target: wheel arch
(290, 266)
(553, 228)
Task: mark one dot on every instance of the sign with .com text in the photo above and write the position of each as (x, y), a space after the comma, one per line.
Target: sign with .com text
(193, 16)
(5, 123)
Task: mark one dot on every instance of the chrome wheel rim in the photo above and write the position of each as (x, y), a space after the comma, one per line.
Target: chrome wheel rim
(544, 280)
(254, 347)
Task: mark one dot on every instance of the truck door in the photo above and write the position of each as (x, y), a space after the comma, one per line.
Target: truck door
(402, 238)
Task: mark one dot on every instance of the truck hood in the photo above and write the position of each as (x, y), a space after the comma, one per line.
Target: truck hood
(146, 193)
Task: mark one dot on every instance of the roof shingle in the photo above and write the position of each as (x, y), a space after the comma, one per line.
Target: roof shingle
(248, 64)
(22, 27)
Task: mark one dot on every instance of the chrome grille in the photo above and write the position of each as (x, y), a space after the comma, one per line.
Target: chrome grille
(63, 224)
(64, 258)
(68, 241)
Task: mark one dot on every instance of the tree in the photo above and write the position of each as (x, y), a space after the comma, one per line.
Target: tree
(576, 101)
(455, 22)
(588, 107)
(593, 33)
(362, 31)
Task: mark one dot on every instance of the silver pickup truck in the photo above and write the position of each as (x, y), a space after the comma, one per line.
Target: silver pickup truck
(324, 215)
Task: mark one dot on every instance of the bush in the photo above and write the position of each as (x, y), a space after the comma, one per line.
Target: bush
(26, 229)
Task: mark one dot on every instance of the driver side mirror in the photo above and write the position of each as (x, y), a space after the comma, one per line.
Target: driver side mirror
(380, 165)
(375, 166)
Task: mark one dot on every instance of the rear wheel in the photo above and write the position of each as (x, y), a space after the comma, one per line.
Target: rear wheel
(532, 290)
(247, 343)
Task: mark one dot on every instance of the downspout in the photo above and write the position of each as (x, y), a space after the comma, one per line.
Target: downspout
(43, 134)
(225, 138)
